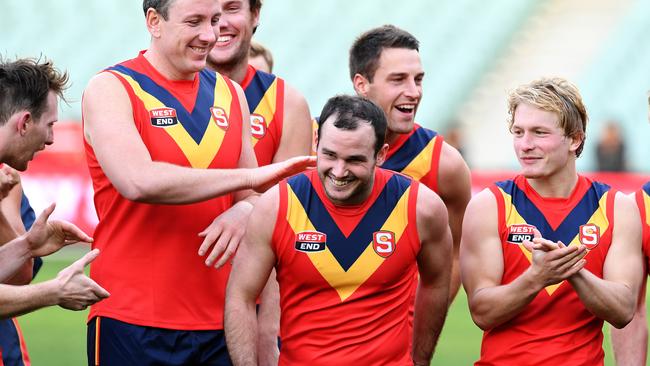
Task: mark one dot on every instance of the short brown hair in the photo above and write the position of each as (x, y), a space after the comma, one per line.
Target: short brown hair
(25, 85)
(366, 50)
(555, 95)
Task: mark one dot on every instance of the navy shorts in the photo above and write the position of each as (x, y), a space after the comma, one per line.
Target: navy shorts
(114, 343)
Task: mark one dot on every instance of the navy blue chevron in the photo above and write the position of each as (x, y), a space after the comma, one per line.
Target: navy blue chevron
(196, 122)
(411, 148)
(347, 250)
(646, 188)
(568, 229)
(257, 88)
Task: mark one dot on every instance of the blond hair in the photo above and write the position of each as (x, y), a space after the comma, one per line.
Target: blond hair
(555, 95)
(257, 49)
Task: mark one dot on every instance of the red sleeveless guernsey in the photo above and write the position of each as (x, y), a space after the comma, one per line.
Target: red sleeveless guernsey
(345, 272)
(555, 328)
(148, 259)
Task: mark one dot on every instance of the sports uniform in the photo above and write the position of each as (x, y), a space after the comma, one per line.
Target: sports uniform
(555, 328)
(642, 197)
(416, 154)
(265, 96)
(344, 272)
(148, 258)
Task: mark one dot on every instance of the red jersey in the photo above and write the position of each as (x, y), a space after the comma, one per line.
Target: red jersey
(265, 96)
(555, 328)
(416, 154)
(642, 197)
(148, 258)
(344, 272)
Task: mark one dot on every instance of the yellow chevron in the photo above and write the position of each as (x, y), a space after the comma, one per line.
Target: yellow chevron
(513, 217)
(346, 283)
(199, 155)
(421, 164)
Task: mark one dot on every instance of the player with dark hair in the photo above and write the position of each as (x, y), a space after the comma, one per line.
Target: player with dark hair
(385, 67)
(346, 241)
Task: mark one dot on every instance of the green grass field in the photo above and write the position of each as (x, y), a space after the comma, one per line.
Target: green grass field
(57, 337)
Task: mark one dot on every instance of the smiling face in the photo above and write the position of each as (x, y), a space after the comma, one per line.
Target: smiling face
(396, 87)
(346, 162)
(187, 36)
(542, 148)
(235, 33)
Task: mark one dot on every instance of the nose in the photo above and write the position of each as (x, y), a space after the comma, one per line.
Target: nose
(525, 141)
(413, 90)
(49, 140)
(209, 33)
(339, 169)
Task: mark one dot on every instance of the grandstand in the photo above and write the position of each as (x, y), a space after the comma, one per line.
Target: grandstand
(473, 52)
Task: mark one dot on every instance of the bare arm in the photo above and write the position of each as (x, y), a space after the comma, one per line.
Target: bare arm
(481, 263)
(253, 264)
(71, 289)
(268, 319)
(630, 343)
(110, 130)
(10, 207)
(434, 266)
(44, 238)
(297, 127)
(614, 297)
(455, 190)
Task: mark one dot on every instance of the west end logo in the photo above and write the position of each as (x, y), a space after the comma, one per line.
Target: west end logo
(258, 126)
(310, 241)
(163, 117)
(519, 233)
(383, 242)
(220, 117)
(589, 235)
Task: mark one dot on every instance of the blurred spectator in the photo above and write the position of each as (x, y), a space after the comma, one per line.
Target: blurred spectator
(260, 57)
(610, 151)
(453, 134)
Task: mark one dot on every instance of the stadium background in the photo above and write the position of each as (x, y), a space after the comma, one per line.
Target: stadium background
(473, 52)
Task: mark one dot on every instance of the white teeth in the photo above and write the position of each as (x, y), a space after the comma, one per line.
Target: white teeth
(338, 182)
(408, 107)
(198, 49)
(224, 38)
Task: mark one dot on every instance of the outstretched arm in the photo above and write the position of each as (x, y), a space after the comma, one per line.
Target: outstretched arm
(253, 264)
(434, 266)
(110, 130)
(71, 289)
(44, 238)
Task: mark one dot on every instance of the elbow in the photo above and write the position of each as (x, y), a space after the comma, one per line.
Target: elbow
(621, 321)
(137, 190)
(481, 318)
(482, 322)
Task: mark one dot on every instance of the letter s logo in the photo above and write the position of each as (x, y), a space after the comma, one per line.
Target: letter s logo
(589, 235)
(258, 126)
(384, 243)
